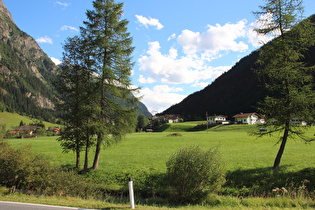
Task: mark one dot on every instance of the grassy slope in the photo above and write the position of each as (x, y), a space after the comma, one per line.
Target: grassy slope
(12, 120)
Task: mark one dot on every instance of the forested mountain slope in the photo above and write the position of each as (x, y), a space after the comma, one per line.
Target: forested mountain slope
(237, 90)
(27, 74)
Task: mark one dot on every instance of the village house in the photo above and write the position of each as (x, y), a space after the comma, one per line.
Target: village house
(217, 119)
(298, 122)
(248, 118)
(26, 129)
(55, 129)
(171, 118)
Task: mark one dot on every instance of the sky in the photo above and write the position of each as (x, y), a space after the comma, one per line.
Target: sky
(181, 46)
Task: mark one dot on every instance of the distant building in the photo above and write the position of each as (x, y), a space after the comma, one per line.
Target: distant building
(26, 129)
(55, 129)
(248, 118)
(217, 119)
(298, 122)
(171, 118)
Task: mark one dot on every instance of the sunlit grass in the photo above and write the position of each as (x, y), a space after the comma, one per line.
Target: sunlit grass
(152, 150)
(12, 120)
(246, 157)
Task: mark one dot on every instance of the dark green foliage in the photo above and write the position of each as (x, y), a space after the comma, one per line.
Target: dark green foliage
(94, 82)
(282, 67)
(262, 181)
(142, 122)
(110, 49)
(30, 172)
(193, 174)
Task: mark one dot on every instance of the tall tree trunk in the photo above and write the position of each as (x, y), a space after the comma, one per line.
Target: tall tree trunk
(77, 165)
(86, 161)
(282, 146)
(97, 151)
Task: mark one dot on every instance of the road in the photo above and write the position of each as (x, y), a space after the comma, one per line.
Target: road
(4, 205)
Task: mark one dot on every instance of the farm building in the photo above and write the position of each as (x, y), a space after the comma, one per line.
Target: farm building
(217, 119)
(248, 118)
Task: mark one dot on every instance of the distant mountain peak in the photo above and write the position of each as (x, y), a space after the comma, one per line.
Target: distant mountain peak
(5, 11)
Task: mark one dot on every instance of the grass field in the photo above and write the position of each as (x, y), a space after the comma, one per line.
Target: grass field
(248, 161)
(145, 151)
(12, 120)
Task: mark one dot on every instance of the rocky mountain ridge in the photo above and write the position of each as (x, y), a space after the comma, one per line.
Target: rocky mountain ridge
(27, 74)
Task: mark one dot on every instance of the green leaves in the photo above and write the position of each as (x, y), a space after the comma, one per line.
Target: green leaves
(193, 173)
(281, 66)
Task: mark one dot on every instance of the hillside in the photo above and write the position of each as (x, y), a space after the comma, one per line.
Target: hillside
(27, 74)
(237, 90)
(12, 120)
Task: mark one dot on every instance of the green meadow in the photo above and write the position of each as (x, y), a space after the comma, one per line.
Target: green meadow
(150, 151)
(250, 181)
(12, 120)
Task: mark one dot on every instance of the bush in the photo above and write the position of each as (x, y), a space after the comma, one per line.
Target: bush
(193, 174)
(24, 170)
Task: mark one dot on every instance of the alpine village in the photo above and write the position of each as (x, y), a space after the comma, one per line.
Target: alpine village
(76, 134)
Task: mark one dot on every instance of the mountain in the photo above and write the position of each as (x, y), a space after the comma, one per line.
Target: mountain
(237, 90)
(27, 74)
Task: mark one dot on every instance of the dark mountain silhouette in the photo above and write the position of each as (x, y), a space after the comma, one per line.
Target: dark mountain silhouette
(237, 90)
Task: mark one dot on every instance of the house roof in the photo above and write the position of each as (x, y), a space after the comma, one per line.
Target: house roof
(241, 115)
(219, 116)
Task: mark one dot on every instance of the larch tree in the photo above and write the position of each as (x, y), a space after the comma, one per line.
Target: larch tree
(287, 77)
(111, 45)
(71, 85)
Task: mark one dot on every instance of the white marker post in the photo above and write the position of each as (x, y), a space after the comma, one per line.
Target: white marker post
(132, 200)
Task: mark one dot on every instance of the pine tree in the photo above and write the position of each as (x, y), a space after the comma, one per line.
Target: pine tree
(287, 77)
(74, 86)
(111, 47)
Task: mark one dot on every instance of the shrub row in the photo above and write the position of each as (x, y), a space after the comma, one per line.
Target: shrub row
(191, 175)
(24, 170)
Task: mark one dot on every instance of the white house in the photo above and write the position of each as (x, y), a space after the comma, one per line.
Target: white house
(298, 122)
(171, 118)
(217, 119)
(248, 118)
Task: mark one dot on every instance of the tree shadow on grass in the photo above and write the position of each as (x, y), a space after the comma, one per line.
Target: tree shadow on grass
(163, 128)
(262, 181)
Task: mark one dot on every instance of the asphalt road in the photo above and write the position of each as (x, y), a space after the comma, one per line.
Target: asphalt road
(4, 205)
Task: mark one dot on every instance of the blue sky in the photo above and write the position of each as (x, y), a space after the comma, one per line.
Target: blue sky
(181, 46)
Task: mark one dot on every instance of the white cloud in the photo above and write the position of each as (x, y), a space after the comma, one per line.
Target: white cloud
(55, 60)
(166, 89)
(63, 4)
(149, 22)
(190, 63)
(200, 84)
(172, 69)
(217, 38)
(256, 39)
(146, 80)
(65, 28)
(45, 39)
(160, 97)
(173, 36)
